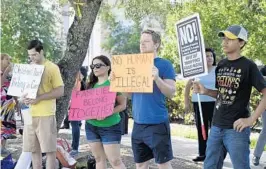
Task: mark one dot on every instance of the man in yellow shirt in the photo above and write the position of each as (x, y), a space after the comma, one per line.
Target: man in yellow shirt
(40, 136)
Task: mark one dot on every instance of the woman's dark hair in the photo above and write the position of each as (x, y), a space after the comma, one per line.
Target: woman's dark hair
(92, 78)
(83, 70)
(213, 55)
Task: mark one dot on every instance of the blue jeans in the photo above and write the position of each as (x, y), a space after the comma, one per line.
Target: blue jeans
(235, 143)
(75, 134)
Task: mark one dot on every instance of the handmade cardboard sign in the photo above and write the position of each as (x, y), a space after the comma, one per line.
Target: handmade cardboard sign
(91, 104)
(132, 73)
(25, 80)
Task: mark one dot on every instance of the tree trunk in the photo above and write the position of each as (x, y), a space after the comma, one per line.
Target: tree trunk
(78, 38)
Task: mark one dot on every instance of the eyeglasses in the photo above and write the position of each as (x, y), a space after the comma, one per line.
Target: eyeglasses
(98, 65)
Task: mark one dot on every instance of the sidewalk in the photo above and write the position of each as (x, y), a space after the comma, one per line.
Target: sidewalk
(187, 149)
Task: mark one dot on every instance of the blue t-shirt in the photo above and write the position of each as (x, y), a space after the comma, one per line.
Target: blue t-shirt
(150, 108)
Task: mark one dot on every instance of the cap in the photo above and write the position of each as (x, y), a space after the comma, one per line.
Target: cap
(235, 32)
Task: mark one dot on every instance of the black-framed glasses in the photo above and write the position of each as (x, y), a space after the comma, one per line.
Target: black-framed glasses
(98, 65)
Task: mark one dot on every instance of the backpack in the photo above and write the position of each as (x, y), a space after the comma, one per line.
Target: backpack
(91, 163)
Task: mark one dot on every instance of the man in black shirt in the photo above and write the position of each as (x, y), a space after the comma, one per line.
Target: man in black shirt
(235, 76)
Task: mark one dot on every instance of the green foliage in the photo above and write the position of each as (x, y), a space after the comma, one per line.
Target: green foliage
(139, 9)
(23, 21)
(122, 40)
(216, 16)
(176, 105)
(255, 99)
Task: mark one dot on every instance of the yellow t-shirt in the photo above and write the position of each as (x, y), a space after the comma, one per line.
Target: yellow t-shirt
(51, 79)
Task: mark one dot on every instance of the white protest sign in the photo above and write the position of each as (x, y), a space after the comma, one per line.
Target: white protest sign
(191, 47)
(25, 80)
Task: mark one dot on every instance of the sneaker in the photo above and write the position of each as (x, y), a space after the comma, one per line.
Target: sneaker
(256, 160)
(199, 158)
(73, 153)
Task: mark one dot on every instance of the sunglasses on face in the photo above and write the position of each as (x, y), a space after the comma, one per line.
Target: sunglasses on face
(98, 65)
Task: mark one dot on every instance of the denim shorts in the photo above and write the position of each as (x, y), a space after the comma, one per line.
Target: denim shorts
(106, 135)
(152, 141)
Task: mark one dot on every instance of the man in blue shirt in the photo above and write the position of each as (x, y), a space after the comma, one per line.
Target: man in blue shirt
(151, 132)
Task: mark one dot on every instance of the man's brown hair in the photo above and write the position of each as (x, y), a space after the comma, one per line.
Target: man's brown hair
(156, 38)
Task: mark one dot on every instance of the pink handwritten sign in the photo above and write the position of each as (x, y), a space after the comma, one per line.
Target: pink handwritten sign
(91, 104)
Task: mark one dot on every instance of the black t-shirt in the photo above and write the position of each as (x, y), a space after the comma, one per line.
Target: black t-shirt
(234, 81)
(263, 71)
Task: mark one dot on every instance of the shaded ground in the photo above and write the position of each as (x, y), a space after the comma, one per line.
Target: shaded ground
(15, 146)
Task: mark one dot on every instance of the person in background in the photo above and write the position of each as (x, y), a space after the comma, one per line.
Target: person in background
(8, 104)
(75, 125)
(124, 121)
(207, 103)
(262, 138)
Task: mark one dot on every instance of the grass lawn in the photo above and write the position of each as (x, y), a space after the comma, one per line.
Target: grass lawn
(190, 131)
